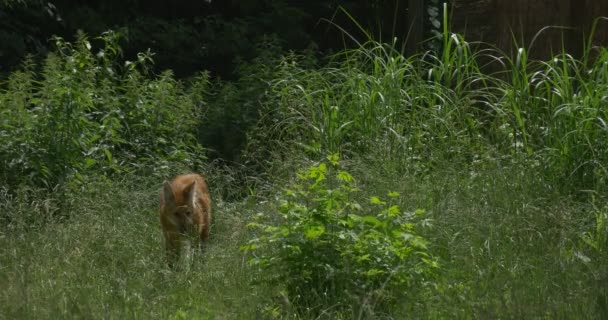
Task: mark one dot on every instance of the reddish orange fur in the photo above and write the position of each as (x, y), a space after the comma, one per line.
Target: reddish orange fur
(185, 209)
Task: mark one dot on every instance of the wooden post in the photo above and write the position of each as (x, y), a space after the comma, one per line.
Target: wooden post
(415, 20)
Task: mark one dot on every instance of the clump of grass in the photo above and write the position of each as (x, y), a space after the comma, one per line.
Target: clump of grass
(557, 109)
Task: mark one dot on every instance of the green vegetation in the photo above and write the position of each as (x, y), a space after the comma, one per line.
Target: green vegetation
(83, 112)
(458, 193)
(329, 250)
(106, 261)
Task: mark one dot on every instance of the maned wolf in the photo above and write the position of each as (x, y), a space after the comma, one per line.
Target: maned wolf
(185, 211)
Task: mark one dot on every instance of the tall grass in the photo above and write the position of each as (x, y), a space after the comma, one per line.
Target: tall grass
(106, 262)
(511, 163)
(510, 167)
(444, 104)
(560, 112)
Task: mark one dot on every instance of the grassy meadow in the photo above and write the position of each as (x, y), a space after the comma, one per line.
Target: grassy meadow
(461, 184)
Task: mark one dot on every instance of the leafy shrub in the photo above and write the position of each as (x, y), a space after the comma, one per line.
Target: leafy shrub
(90, 112)
(329, 251)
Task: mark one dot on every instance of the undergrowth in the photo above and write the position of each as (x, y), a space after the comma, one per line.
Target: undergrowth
(329, 248)
(509, 167)
(84, 112)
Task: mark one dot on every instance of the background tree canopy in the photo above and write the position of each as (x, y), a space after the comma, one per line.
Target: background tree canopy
(191, 35)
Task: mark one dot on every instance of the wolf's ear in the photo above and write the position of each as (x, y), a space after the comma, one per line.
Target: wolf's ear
(168, 196)
(192, 195)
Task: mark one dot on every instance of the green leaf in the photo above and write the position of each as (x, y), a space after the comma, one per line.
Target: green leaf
(248, 247)
(393, 194)
(354, 217)
(364, 257)
(94, 138)
(344, 176)
(108, 155)
(284, 231)
(89, 163)
(418, 242)
(317, 172)
(334, 159)
(373, 221)
(376, 200)
(393, 211)
(313, 232)
(373, 272)
(322, 167)
(254, 225)
(406, 235)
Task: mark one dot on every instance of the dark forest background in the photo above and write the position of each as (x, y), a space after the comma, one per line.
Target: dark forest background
(188, 36)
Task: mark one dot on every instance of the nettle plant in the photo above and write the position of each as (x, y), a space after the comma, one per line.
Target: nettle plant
(324, 248)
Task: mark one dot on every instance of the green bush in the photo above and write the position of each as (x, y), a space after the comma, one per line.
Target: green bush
(86, 112)
(328, 251)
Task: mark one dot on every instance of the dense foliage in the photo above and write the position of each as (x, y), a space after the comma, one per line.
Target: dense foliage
(330, 249)
(509, 167)
(87, 112)
(413, 110)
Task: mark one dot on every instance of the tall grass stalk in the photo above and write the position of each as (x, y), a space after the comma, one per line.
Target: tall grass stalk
(443, 104)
